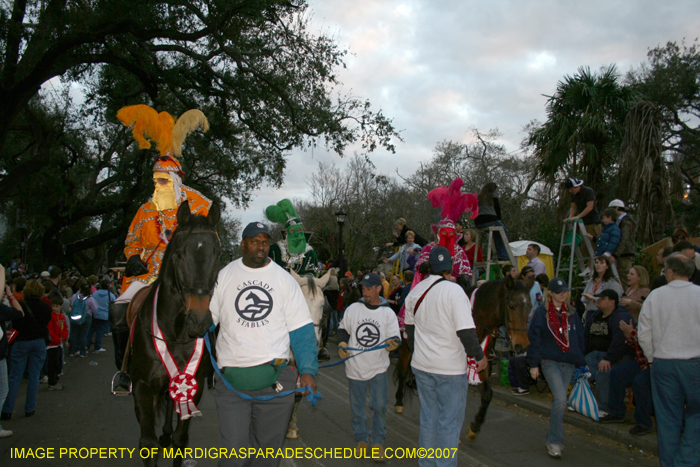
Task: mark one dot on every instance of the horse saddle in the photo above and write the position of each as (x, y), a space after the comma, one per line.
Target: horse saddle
(135, 304)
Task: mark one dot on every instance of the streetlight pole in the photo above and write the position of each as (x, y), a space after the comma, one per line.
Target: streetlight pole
(340, 218)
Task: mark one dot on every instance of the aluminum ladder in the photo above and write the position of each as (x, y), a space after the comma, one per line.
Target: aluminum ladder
(491, 250)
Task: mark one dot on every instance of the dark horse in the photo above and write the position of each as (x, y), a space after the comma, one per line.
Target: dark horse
(185, 284)
(504, 302)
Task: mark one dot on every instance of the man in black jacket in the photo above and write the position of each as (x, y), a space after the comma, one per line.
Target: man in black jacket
(604, 341)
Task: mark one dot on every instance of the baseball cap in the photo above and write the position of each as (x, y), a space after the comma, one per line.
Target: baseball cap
(440, 259)
(558, 285)
(46, 274)
(573, 182)
(348, 274)
(616, 203)
(609, 293)
(255, 228)
(370, 280)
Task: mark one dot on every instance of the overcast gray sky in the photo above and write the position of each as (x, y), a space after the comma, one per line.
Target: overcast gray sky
(441, 67)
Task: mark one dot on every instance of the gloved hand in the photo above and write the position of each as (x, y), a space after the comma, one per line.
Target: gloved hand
(342, 353)
(135, 266)
(393, 344)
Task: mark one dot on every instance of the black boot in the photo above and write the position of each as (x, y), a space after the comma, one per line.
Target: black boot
(120, 331)
(121, 384)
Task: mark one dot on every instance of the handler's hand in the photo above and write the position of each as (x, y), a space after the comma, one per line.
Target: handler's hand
(534, 373)
(307, 380)
(386, 260)
(626, 328)
(342, 353)
(482, 364)
(604, 366)
(393, 344)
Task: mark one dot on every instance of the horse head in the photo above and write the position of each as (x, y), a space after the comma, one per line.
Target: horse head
(191, 264)
(517, 308)
(312, 289)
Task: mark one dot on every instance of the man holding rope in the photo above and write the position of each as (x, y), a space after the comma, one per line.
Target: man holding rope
(263, 317)
(366, 324)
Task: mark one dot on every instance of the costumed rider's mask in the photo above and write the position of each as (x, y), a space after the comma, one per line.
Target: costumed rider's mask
(296, 239)
(164, 193)
(446, 238)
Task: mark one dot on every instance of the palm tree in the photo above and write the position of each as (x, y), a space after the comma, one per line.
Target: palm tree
(584, 127)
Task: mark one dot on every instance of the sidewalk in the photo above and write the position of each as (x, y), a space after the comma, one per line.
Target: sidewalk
(541, 404)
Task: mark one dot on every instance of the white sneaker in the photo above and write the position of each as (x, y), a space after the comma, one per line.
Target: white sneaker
(602, 413)
(44, 380)
(554, 450)
(5, 433)
(100, 350)
(586, 272)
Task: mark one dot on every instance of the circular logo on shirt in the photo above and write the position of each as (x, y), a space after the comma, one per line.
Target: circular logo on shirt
(367, 335)
(253, 303)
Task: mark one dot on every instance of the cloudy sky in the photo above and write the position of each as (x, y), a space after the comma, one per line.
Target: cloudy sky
(441, 67)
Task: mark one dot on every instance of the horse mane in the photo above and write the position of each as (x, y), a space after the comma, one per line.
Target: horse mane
(311, 283)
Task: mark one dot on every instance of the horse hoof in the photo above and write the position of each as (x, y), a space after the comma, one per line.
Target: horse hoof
(292, 434)
(398, 409)
(471, 436)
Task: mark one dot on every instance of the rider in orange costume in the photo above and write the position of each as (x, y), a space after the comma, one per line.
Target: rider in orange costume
(155, 221)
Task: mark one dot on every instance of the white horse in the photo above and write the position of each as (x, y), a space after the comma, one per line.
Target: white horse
(313, 293)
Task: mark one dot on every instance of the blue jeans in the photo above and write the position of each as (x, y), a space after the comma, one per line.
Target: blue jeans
(333, 327)
(500, 244)
(378, 401)
(443, 400)
(98, 328)
(78, 336)
(558, 376)
(624, 376)
(29, 355)
(675, 386)
(4, 388)
(602, 378)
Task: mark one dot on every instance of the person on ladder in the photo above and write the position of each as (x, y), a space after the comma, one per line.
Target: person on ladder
(583, 207)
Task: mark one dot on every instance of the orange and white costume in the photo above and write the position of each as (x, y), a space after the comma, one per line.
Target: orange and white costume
(155, 221)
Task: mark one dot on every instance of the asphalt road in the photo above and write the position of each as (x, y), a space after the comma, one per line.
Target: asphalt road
(86, 415)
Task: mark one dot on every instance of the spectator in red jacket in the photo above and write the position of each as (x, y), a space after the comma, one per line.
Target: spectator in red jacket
(58, 332)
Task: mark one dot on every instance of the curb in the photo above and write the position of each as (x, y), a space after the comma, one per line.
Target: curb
(616, 432)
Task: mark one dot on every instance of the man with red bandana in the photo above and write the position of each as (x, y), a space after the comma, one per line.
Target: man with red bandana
(154, 223)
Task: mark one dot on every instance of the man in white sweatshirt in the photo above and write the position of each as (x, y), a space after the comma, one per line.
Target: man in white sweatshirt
(669, 335)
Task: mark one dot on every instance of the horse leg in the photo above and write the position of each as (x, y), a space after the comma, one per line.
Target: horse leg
(145, 401)
(166, 437)
(402, 373)
(486, 396)
(181, 438)
(292, 429)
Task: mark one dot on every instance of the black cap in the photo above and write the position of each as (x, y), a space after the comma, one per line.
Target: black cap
(558, 285)
(370, 280)
(255, 228)
(440, 259)
(609, 293)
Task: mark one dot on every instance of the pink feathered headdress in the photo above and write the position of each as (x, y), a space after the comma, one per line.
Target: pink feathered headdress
(454, 203)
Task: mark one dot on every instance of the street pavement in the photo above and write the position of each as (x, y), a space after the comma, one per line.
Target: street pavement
(86, 415)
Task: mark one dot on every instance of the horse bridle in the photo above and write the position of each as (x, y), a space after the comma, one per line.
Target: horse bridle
(505, 315)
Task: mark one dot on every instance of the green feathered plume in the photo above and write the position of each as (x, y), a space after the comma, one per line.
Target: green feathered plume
(281, 212)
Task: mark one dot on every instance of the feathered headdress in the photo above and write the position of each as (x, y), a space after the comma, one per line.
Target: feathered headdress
(283, 213)
(453, 202)
(162, 129)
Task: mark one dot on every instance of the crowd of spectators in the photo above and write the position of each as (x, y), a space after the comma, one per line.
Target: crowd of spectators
(39, 329)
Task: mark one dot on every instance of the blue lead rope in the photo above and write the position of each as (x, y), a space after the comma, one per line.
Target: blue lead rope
(312, 396)
(381, 345)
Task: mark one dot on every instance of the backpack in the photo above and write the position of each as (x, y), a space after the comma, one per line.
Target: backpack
(78, 311)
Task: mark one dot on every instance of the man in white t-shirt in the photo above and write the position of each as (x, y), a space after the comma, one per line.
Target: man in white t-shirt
(263, 317)
(368, 323)
(441, 334)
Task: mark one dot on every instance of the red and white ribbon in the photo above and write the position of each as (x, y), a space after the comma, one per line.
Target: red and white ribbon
(183, 385)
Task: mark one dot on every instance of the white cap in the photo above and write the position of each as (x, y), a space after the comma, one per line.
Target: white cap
(46, 274)
(616, 203)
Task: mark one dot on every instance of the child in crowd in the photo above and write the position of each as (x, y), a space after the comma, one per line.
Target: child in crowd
(609, 239)
(368, 323)
(58, 331)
